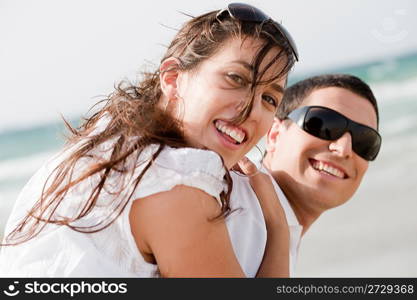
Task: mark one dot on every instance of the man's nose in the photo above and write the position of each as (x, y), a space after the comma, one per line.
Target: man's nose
(342, 146)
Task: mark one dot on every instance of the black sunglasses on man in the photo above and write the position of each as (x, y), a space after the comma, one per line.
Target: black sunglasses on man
(327, 124)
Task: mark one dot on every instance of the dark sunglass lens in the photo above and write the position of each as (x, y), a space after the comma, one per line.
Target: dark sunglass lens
(366, 142)
(284, 32)
(248, 13)
(324, 124)
(245, 12)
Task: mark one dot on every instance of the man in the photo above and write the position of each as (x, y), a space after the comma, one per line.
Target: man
(317, 152)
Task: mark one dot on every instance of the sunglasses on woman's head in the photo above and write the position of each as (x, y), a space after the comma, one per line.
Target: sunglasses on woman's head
(247, 13)
(327, 124)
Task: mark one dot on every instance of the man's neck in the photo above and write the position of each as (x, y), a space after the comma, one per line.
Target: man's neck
(306, 216)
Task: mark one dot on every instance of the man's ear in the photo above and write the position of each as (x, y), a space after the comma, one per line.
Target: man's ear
(168, 75)
(272, 135)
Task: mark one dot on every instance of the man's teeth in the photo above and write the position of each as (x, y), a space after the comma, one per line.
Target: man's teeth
(320, 166)
(237, 135)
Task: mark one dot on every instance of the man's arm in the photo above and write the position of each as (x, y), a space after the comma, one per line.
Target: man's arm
(275, 262)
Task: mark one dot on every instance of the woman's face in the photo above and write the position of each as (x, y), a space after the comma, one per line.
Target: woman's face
(214, 92)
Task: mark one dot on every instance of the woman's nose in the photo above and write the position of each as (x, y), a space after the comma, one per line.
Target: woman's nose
(256, 112)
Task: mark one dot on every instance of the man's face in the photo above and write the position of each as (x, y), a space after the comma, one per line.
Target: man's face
(299, 160)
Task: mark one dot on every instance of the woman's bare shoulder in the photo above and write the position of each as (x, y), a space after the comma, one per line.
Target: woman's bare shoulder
(177, 228)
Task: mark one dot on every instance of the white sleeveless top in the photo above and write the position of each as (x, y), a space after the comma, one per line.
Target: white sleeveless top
(59, 251)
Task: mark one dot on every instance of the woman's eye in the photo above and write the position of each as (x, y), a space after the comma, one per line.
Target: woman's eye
(270, 100)
(237, 79)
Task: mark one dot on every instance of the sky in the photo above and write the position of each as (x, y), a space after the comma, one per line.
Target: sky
(59, 57)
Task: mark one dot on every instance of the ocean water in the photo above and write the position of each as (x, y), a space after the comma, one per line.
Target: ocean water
(374, 234)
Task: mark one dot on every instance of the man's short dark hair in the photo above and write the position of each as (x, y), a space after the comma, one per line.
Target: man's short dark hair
(295, 94)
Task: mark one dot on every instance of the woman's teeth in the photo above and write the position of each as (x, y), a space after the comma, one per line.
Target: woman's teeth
(236, 134)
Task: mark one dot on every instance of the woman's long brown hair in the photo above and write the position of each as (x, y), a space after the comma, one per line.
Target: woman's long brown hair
(134, 122)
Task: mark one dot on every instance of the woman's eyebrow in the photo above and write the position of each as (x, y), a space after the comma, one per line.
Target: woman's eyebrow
(248, 66)
(278, 88)
(244, 63)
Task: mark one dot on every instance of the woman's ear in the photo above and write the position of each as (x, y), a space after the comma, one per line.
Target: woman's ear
(272, 135)
(168, 75)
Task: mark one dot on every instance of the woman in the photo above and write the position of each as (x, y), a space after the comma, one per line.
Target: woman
(142, 188)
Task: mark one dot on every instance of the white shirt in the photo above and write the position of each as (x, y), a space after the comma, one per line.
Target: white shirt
(59, 251)
(247, 227)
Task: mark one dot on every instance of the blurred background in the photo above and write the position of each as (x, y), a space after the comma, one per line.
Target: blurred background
(61, 57)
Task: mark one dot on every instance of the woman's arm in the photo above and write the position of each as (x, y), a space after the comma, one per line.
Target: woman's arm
(174, 228)
(275, 262)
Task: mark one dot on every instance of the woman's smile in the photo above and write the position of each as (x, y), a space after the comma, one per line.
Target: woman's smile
(231, 136)
(219, 90)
